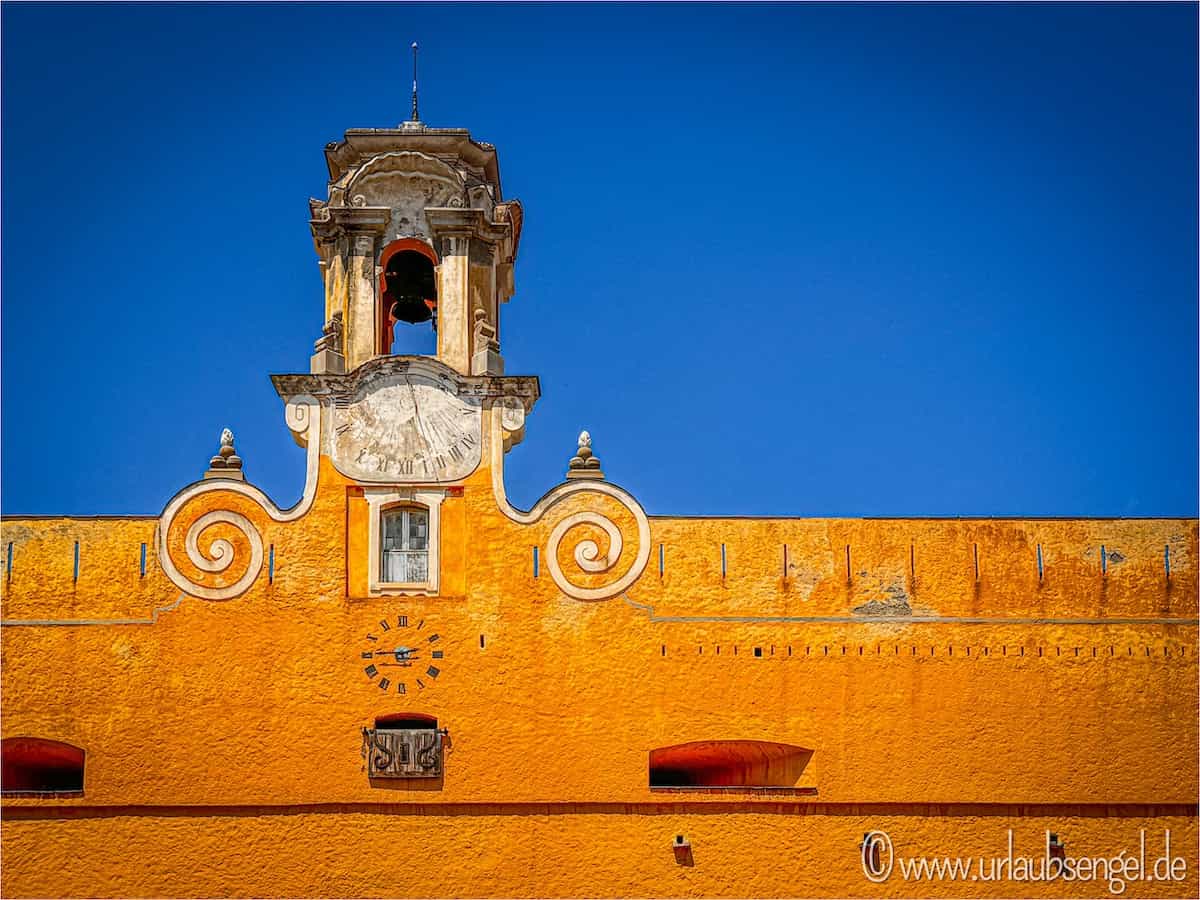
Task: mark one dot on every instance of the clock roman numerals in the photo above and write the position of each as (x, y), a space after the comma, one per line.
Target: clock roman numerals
(396, 655)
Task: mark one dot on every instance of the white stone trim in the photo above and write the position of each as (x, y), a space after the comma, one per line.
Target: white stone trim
(587, 554)
(379, 500)
(303, 417)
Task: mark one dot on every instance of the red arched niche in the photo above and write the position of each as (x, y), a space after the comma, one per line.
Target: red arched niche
(38, 765)
(405, 720)
(760, 764)
(386, 323)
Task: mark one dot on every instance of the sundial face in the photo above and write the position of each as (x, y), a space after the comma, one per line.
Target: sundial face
(407, 428)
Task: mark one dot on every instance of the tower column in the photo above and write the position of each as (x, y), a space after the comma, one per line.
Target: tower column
(360, 323)
(466, 240)
(360, 231)
(453, 337)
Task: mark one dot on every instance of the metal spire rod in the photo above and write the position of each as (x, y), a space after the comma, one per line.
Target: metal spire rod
(416, 117)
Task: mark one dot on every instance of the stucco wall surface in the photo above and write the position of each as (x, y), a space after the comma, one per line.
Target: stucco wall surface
(921, 661)
(535, 852)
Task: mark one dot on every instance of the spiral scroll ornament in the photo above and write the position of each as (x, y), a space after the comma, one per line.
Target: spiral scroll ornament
(584, 476)
(220, 557)
(586, 552)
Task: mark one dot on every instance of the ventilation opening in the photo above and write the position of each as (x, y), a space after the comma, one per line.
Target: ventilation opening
(36, 765)
(729, 764)
(409, 303)
(397, 721)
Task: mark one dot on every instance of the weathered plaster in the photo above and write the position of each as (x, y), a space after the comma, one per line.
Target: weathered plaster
(947, 688)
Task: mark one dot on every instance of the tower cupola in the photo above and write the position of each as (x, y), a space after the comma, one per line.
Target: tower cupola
(416, 245)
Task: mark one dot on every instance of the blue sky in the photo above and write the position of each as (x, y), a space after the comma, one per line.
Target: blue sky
(779, 260)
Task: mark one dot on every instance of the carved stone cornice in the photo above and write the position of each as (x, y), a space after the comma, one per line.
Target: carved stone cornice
(333, 387)
(360, 144)
(473, 223)
(338, 220)
(361, 218)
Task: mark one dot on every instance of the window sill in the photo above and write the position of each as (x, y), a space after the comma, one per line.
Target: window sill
(40, 795)
(399, 588)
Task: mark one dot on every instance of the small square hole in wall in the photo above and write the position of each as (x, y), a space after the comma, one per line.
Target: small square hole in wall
(758, 651)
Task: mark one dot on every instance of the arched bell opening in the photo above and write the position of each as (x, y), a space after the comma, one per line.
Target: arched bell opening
(408, 299)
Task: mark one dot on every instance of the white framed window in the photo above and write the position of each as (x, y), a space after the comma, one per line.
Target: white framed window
(404, 556)
(404, 538)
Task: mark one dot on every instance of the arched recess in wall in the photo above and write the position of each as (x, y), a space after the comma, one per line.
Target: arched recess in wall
(407, 746)
(407, 290)
(393, 721)
(731, 765)
(31, 765)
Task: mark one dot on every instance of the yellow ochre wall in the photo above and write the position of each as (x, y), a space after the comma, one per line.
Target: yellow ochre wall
(223, 737)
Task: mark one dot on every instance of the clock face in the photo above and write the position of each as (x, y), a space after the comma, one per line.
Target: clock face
(408, 428)
(402, 655)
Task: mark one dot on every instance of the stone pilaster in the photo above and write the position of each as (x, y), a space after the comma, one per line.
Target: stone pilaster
(360, 338)
(465, 240)
(353, 276)
(330, 245)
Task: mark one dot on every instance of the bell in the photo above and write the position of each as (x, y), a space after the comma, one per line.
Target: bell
(409, 308)
(410, 287)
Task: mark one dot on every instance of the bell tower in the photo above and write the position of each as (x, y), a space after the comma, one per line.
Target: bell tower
(415, 234)
(414, 240)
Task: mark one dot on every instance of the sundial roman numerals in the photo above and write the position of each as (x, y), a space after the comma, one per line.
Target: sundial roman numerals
(410, 429)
